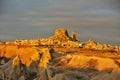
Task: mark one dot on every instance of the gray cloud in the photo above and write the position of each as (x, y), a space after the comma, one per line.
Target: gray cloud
(91, 18)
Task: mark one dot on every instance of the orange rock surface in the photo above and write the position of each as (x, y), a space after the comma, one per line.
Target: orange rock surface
(73, 53)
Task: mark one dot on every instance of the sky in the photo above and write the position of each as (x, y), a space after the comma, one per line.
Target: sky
(91, 19)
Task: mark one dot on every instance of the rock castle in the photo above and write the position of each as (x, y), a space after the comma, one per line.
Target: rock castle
(62, 39)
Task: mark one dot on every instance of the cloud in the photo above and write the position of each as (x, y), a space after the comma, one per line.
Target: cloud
(85, 16)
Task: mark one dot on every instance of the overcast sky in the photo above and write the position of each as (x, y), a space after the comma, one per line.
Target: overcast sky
(96, 19)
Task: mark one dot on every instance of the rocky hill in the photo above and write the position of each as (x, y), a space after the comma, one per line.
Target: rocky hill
(59, 57)
(61, 38)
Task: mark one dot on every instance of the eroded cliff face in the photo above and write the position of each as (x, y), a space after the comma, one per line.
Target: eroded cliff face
(25, 54)
(58, 63)
(24, 62)
(66, 59)
(61, 32)
(90, 62)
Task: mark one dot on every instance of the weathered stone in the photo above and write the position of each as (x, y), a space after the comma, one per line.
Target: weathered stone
(45, 57)
(61, 32)
(73, 36)
(16, 61)
(1, 42)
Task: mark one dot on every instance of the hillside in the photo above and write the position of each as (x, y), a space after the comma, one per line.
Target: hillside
(59, 57)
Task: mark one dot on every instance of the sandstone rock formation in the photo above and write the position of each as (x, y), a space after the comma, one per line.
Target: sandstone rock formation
(1, 42)
(47, 64)
(73, 36)
(91, 44)
(91, 62)
(61, 32)
(62, 39)
(45, 57)
(60, 57)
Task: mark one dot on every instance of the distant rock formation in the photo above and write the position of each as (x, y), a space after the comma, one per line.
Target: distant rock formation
(61, 35)
(61, 38)
(60, 57)
(73, 36)
(91, 44)
(61, 32)
(1, 42)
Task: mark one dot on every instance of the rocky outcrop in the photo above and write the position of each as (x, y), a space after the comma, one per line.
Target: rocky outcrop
(60, 57)
(27, 63)
(44, 57)
(25, 54)
(91, 44)
(1, 42)
(73, 36)
(81, 74)
(61, 32)
(61, 38)
(90, 62)
(47, 64)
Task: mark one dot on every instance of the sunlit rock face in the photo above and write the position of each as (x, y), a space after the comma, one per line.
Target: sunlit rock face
(26, 63)
(61, 32)
(73, 36)
(91, 44)
(48, 63)
(62, 39)
(45, 57)
(61, 35)
(60, 57)
(1, 42)
(90, 62)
